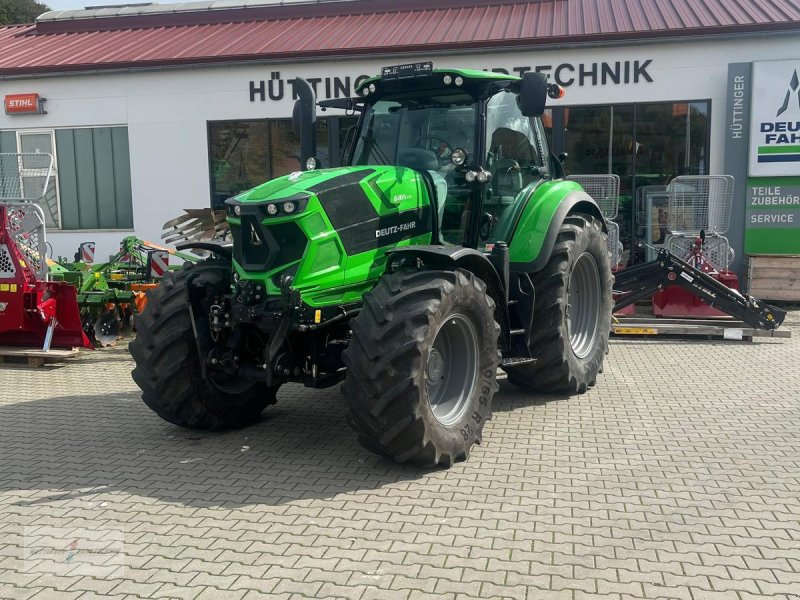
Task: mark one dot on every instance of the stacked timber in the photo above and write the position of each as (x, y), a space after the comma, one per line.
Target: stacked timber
(774, 277)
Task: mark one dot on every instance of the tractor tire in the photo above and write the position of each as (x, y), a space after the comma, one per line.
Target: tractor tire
(422, 366)
(168, 367)
(572, 312)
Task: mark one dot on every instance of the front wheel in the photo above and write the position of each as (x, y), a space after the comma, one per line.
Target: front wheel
(168, 367)
(421, 366)
(572, 312)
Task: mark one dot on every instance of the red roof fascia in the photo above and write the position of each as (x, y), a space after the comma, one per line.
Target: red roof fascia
(265, 13)
(501, 23)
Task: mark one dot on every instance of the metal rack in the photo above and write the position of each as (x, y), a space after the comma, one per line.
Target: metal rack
(700, 203)
(24, 182)
(604, 189)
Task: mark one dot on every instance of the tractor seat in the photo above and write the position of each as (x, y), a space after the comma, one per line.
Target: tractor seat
(507, 179)
(418, 159)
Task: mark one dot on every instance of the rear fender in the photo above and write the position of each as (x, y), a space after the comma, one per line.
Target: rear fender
(449, 258)
(535, 234)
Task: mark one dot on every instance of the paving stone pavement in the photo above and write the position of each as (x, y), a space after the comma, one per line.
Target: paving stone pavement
(678, 476)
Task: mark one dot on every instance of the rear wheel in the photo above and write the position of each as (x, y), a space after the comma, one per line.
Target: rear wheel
(572, 312)
(422, 365)
(168, 367)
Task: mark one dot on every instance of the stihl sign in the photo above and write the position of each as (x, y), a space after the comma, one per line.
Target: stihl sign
(24, 103)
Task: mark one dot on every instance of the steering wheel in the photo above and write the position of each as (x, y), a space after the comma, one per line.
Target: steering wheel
(442, 152)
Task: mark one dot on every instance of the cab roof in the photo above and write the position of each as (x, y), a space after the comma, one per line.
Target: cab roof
(472, 74)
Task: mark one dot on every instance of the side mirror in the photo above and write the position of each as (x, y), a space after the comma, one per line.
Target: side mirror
(533, 94)
(304, 116)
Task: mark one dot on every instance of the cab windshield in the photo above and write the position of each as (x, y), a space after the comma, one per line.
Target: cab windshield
(417, 130)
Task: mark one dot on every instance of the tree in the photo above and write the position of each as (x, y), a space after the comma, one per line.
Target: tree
(20, 11)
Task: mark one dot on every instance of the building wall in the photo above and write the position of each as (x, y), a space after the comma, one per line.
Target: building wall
(167, 111)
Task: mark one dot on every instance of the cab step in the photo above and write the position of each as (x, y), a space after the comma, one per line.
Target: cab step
(516, 362)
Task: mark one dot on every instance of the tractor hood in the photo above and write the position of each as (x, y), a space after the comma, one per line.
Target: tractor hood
(359, 203)
(324, 180)
(323, 224)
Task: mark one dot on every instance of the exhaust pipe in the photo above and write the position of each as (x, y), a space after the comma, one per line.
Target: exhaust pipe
(304, 116)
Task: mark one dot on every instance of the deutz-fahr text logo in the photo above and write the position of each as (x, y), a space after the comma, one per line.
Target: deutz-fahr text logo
(781, 139)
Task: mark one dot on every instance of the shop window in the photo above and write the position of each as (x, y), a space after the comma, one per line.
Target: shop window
(671, 141)
(239, 157)
(284, 147)
(94, 178)
(245, 154)
(599, 139)
(90, 186)
(647, 145)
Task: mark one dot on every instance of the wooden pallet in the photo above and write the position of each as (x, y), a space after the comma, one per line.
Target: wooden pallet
(774, 277)
(34, 358)
(722, 328)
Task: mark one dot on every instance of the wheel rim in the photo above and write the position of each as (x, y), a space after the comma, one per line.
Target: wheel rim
(452, 369)
(583, 305)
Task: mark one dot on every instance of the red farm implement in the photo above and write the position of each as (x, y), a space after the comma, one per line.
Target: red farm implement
(34, 312)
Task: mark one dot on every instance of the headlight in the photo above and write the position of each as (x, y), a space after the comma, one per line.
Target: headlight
(311, 163)
(470, 176)
(458, 157)
(289, 207)
(237, 210)
(272, 209)
(448, 80)
(459, 81)
(372, 88)
(483, 176)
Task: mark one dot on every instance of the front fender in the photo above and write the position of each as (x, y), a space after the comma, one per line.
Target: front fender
(458, 257)
(453, 257)
(535, 233)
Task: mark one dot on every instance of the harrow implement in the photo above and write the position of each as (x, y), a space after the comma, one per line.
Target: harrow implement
(111, 294)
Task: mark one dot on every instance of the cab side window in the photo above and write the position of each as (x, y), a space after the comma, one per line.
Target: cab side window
(513, 156)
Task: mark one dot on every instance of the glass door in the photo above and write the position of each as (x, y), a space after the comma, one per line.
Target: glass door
(646, 144)
(33, 173)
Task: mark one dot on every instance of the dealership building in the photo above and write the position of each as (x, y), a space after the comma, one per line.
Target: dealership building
(151, 109)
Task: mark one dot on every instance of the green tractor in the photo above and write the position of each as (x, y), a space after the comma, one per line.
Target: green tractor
(450, 246)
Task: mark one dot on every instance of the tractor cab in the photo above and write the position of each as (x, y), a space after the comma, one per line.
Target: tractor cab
(475, 137)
